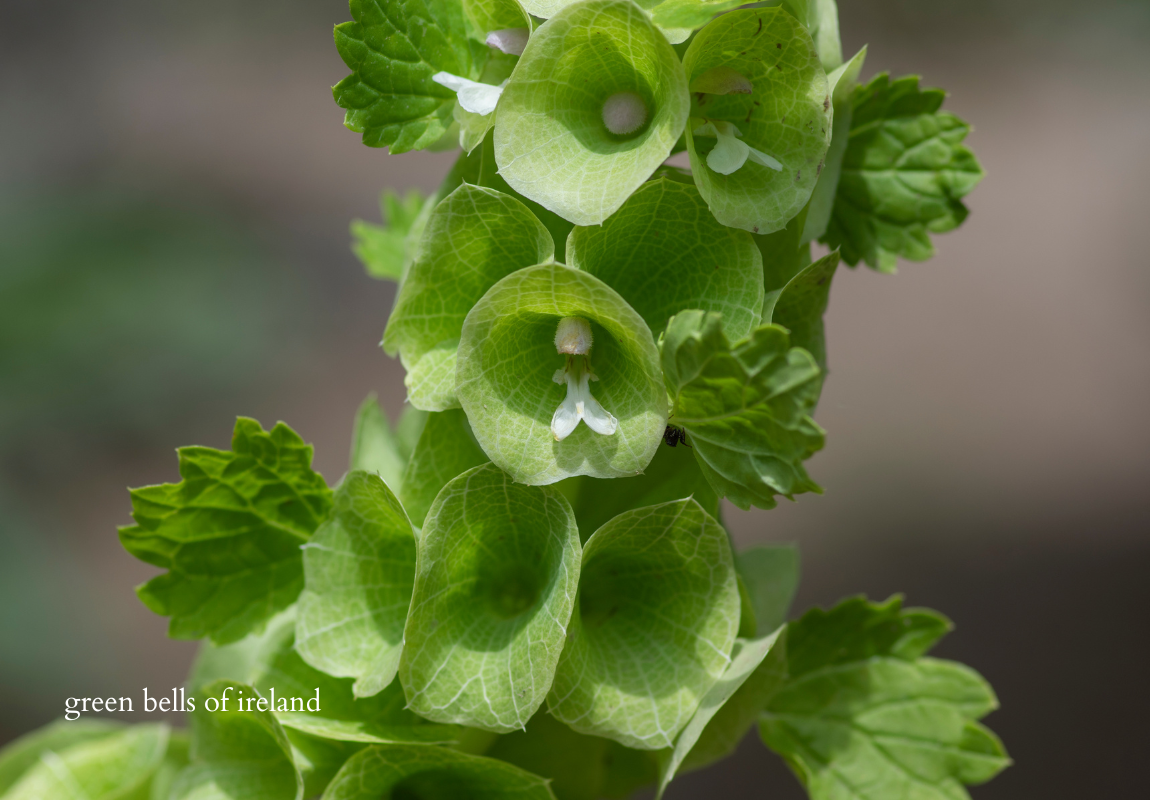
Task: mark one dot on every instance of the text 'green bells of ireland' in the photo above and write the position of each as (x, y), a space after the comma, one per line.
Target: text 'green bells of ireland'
(745, 407)
(359, 568)
(756, 156)
(595, 104)
(657, 617)
(497, 574)
(507, 369)
(474, 237)
(664, 252)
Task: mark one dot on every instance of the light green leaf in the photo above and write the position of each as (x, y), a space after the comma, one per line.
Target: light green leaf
(864, 716)
(433, 773)
(318, 759)
(771, 575)
(506, 368)
(821, 18)
(479, 169)
(679, 18)
(237, 754)
(673, 474)
(663, 252)
(800, 305)
(118, 766)
(473, 127)
(496, 15)
(658, 613)
(729, 709)
(269, 663)
(784, 256)
(474, 237)
(374, 447)
(393, 48)
(384, 249)
(579, 767)
(842, 82)
(229, 533)
(903, 176)
(18, 756)
(446, 448)
(551, 141)
(359, 568)
(495, 584)
(746, 407)
(176, 758)
(787, 116)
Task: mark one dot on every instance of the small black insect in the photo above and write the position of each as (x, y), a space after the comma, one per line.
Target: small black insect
(672, 436)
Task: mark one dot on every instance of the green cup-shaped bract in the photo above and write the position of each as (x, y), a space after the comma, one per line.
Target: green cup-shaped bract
(474, 237)
(551, 142)
(657, 616)
(507, 360)
(664, 252)
(787, 116)
(495, 583)
(403, 771)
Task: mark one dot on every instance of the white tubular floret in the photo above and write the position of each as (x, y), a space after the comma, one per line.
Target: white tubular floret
(573, 339)
(511, 41)
(731, 152)
(478, 98)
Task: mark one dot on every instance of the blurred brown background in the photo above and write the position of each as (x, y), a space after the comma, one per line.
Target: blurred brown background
(175, 191)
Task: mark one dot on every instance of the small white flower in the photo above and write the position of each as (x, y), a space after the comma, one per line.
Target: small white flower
(478, 98)
(511, 41)
(730, 153)
(573, 338)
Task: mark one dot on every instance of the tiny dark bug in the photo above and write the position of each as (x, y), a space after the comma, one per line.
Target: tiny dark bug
(672, 436)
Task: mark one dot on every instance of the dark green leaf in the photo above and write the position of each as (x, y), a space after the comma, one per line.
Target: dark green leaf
(386, 249)
(229, 533)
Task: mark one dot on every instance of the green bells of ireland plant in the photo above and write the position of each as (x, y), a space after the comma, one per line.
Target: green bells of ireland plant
(523, 588)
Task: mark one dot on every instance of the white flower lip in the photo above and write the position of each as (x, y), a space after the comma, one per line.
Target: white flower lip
(512, 41)
(573, 339)
(730, 153)
(478, 98)
(624, 112)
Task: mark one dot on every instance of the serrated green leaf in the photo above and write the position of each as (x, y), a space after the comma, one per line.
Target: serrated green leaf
(497, 573)
(657, 617)
(729, 709)
(787, 116)
(863, 715)
(446, 448)
(393, 48)
(235, 752)
(771, 575)
(229, 532)
(842, 82)
(745, 407)
(673, 474)
(579, 767)
(115, 766)
(18, 756)
(506, 367)
(904, 173)
(374, 447)
(359, 568)
(474, 237)
(800, 305)
(269, 663)
(433, 773)
(384, 249)
(551, 142)
(663, 252)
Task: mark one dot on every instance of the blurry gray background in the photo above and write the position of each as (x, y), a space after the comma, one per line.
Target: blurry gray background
(175, 192)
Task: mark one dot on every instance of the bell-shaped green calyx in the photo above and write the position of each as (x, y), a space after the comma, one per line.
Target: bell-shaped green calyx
(594, 106)
(657, 617)
(237, 752)
(507, 369)
(474, 237)
(400, 771)
(745, 407)
(664, 252)
(359, 568)
(785, 119)
(495, 585)
(119, 764)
